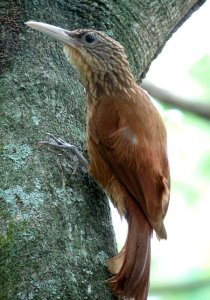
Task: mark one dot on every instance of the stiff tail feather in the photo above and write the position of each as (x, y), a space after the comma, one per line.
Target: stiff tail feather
(132, 279)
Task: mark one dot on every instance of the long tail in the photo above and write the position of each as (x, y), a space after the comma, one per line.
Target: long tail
(132, 279)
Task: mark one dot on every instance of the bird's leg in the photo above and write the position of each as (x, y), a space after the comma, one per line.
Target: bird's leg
(60, 144)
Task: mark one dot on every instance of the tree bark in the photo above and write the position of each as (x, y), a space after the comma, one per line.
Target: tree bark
(56, 233)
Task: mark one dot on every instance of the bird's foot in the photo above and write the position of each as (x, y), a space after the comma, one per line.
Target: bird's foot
(60, 144)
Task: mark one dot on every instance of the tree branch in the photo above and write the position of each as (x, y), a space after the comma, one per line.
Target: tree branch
(164, 96)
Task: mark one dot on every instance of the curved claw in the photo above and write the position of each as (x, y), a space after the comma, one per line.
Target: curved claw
(60, 144)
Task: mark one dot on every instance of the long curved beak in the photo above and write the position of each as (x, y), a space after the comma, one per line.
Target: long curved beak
(59, 34)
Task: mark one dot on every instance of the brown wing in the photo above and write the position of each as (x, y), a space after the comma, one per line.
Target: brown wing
(130, 136)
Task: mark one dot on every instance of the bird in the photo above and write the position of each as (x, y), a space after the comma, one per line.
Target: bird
(127, 149)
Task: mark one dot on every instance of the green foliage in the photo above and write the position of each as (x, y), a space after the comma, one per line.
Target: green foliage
(184, 258)
(200, 72)
(192, 294)
(204, 167)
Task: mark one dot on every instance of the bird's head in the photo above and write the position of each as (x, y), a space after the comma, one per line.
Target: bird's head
(101, 61)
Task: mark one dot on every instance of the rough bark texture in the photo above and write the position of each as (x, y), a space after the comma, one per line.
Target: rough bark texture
(55, 226)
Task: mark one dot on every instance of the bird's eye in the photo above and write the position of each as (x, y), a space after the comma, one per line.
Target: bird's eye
(90, 38)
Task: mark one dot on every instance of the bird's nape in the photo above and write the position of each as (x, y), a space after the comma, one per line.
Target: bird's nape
(100, 60)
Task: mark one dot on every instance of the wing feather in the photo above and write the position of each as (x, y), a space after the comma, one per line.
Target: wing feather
(134, 148)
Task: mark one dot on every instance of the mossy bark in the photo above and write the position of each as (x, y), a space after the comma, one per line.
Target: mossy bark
(55, 225)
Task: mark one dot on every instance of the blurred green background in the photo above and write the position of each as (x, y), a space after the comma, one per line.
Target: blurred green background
(181, 265)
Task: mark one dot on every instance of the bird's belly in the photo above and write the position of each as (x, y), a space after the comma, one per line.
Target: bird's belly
(104, 176)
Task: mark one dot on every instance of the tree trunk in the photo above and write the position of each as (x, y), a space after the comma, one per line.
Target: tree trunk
(56, 233)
